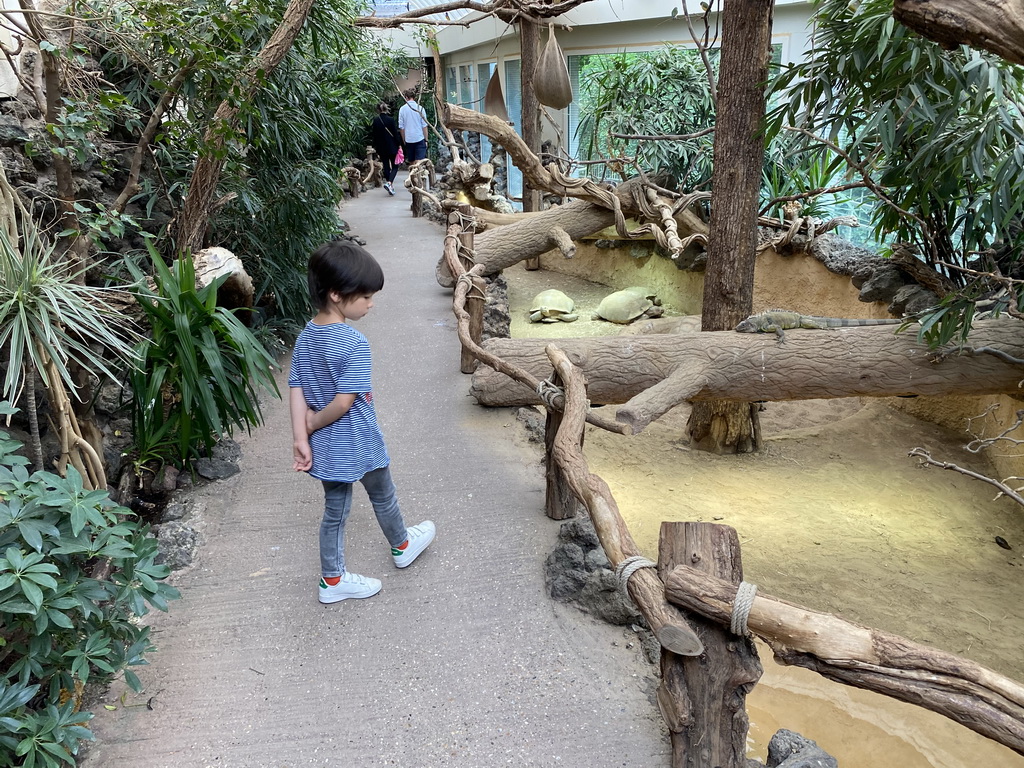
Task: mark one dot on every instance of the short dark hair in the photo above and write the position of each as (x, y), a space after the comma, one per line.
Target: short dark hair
(410, 93)
(344, 267)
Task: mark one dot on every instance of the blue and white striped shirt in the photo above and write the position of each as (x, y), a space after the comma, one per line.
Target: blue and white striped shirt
(330, 360)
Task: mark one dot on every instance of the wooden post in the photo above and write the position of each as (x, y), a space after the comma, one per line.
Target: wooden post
(417, 202)
(476, 298)
(529, 44)
(702, 697)
(559, 501)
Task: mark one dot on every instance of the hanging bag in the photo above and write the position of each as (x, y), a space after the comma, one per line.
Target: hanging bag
(551, 80)
(400, 157)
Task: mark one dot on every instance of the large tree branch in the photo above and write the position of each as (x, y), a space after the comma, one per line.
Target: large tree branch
(651, 375)
(505, 9)
(996, 26)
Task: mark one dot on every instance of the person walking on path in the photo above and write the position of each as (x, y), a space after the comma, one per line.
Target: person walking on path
(412, 124)
(335, 434)
(385, 139)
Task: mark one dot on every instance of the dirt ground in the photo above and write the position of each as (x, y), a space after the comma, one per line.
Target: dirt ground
(834, 515)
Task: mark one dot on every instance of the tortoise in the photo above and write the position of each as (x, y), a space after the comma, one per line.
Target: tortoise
(645, 292)
(550, 306)
(623, 307)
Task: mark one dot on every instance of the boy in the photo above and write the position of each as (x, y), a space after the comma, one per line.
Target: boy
(334, 426)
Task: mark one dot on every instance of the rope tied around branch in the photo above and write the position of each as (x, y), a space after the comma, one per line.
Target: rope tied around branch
(628, 567)
(471, 291)
(547, 391)
(745, 594)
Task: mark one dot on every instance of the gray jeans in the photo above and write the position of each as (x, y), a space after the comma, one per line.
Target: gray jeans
(337, 504)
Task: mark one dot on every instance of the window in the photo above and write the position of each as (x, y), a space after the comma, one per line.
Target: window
(483, 78)
(514, 105)
(467, 92)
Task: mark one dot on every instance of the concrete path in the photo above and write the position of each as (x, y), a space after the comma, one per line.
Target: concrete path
(461, 660)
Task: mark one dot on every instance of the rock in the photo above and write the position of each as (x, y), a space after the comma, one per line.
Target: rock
(843, 257)
(578, 572)
(216, 469)
(911, 299)
(178, 544)
(11, 132)
(882, 285)
(228, 450)
(791, 750)
(497, 316)
(531, 418)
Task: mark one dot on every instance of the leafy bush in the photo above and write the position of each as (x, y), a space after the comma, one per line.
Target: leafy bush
(61, 626)
(938, 131)
(200, 374)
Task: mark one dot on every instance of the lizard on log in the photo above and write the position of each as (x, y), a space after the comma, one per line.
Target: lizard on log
(778, 320)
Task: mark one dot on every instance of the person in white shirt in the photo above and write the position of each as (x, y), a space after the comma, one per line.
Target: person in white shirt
(412, 124)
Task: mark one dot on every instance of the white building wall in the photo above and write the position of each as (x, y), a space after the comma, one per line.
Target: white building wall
(8, 80)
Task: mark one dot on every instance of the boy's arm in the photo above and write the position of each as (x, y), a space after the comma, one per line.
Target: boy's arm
(333, 411)
(301, 453)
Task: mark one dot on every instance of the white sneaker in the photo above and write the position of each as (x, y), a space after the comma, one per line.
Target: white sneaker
(420, 537)
(351, 585)
(389, 188)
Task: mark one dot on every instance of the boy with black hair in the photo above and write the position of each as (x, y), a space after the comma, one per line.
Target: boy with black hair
(335, 437)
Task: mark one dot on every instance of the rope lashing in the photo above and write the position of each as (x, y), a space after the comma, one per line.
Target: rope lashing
(547, 392)
(628, 567)
(745, 594)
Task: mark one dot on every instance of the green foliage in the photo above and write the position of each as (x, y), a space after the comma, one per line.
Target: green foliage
(46, 316)
(60, 627)
(293, 137)
(939, 131)
(663, 92)
(201, 373)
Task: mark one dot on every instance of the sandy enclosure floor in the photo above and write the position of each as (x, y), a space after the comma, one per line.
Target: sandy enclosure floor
(833, 514)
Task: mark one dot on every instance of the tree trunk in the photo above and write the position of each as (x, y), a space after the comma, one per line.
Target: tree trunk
(530, 116)
(712, 732)
(655, 373)
(996, 26)
(957, 688)
(190, 228)
(732, 242)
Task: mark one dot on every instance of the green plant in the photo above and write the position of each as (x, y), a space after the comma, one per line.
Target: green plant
(52, 323)
(46, 316)
(64, 624)
(937, 133)
(663, 92)
(200, 374)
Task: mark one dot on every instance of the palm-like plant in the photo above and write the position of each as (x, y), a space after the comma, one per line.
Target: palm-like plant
(49, 323)
(201, 373)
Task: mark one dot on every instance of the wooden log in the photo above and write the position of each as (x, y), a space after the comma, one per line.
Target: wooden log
(475, 298)
(996, 26)
(957, 688)
(560, 502)
(705, 696)
(652, 374)
(644, 586)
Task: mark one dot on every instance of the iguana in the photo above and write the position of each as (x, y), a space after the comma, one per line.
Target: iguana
(778, 320)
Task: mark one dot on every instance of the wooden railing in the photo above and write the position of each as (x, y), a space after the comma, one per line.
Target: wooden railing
(708, 659)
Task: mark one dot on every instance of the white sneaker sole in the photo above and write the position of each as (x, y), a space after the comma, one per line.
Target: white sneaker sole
(409, 556)
(337, 598)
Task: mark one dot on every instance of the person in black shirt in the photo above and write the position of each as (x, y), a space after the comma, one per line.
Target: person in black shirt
(386, 140)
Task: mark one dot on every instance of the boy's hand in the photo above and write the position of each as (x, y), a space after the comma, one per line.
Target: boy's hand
(303, 457)
(311, 419)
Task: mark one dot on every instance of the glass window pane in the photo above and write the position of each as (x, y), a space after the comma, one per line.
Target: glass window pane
(514, 105)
